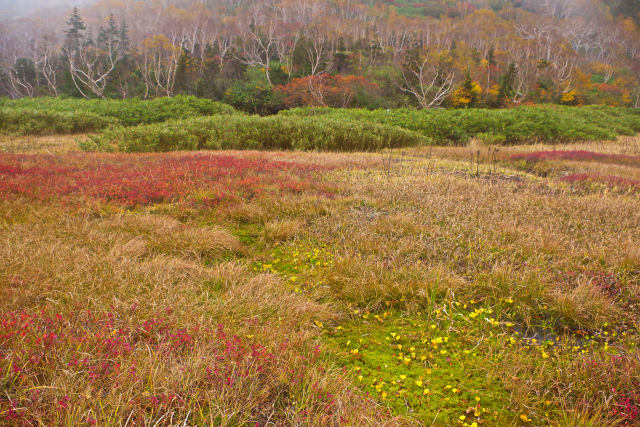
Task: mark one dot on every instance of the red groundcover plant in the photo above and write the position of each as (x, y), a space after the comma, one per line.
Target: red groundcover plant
(609, 180)
(624, 387)
(51, 362)
(141, 179)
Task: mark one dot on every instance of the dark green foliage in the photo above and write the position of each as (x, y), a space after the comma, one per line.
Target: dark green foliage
(505, 90)
(341, 58)
(208, 84)
(74, 33)
(467, 87)
(258, 133)
(625, 8)
(186, 73)
(26, 71)
(254, 99)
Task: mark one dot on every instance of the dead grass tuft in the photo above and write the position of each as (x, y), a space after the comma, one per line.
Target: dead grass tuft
(584, 306)
(164, 234)
(281, 230)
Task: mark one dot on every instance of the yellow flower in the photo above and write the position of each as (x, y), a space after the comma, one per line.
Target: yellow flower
(524, 418)
(419, 383)
(477, 399)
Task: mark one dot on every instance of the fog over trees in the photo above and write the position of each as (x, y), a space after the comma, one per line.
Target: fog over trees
(263, 55)
(20, 8)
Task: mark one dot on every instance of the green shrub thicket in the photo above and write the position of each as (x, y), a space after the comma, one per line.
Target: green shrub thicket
(310, 128)
(257, 133)
(25, 121)
(551, 124)
(128, 112)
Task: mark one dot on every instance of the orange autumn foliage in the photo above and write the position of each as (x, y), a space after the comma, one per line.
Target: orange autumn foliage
(325, 90)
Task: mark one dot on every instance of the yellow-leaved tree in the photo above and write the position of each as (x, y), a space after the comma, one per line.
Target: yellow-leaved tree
(467, 95)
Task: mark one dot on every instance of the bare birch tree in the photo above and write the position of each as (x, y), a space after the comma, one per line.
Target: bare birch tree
(429, 78)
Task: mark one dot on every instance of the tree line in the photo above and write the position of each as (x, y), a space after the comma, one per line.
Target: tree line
(266, 55)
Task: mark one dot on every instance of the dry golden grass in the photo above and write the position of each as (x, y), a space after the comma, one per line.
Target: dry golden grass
(282, 230)
(475, 227)
(164, 234)
(55, 144)
(282, 272)
(625, 145)
(629, 172)
(141, 266)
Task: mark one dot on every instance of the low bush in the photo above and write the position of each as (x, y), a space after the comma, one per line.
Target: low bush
(45, 113)
(259, 133)
(26, 121)
(509, 126)
(546, 124)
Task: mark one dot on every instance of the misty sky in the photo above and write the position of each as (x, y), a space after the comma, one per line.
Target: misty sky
(15, 8)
